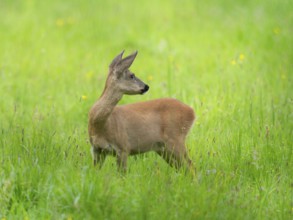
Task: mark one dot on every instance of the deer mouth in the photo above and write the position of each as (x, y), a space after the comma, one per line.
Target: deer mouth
(145, 89)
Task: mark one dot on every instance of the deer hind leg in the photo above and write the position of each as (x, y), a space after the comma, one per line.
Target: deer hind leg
(98, 156)
(122, 161)
(175, 154)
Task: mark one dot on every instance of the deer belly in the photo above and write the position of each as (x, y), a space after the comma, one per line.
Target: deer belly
(146, 147)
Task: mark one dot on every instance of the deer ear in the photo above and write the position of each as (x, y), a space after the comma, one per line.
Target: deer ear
(116, 60)
(126, 62)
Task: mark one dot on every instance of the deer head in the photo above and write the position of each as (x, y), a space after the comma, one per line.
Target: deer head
(122, 79)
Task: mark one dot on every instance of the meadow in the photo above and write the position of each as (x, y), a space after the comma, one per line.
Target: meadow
(230, 60)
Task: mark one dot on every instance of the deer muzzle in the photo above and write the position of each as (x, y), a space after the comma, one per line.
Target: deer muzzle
(145, 89)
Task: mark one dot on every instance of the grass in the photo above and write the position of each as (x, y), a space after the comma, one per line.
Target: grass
(231, 61)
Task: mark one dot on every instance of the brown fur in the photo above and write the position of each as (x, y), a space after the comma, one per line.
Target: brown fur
(159, 125)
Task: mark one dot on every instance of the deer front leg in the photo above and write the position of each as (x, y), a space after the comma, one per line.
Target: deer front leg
(122, 161)
(98, 156)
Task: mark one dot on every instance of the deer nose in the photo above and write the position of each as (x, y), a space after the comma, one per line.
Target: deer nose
(145, 89)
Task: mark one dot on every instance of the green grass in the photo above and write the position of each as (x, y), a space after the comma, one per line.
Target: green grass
(230, 60)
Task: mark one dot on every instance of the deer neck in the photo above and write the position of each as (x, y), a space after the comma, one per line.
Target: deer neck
(103, 108)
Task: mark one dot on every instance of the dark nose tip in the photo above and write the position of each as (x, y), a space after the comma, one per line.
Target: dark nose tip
(145, 89)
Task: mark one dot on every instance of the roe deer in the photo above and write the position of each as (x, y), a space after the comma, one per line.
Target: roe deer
(159, 125)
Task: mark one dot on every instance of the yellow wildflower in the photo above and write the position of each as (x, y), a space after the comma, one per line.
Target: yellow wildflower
(276, 30)
(241, 57)
(60, 22)
(233, 62)
(83, 97)
(150, 77)
(89, 75)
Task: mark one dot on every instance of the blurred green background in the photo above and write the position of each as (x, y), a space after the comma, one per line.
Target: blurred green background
(230, 60)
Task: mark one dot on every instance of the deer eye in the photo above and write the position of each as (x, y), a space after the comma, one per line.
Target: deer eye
(131, 76)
